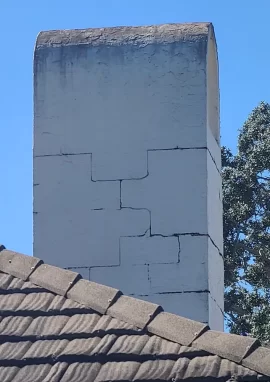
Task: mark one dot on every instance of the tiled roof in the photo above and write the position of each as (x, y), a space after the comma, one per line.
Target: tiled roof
(54, 326)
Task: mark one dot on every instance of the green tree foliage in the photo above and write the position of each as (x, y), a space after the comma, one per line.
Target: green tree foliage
(246, 198)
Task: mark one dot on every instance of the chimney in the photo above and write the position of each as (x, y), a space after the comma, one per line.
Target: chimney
(127, 184)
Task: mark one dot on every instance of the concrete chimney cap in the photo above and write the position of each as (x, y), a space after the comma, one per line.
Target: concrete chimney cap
(127, 35)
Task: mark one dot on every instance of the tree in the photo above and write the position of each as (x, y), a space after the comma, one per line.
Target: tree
(246, 203)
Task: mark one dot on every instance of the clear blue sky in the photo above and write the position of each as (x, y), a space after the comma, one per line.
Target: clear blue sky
(243, 39)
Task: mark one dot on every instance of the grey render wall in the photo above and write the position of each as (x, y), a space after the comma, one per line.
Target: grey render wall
(127, 185)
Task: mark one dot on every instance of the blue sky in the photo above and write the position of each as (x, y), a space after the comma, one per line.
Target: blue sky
(242, 34)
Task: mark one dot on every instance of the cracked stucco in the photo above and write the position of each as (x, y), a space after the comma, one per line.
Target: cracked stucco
(127, 186)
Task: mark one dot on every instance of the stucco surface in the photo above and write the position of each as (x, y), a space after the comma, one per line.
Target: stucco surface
(127, 182)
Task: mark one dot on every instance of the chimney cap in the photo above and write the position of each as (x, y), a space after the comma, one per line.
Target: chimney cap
(125, 35)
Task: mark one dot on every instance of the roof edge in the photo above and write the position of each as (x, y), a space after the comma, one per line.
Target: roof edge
(151, 317)
(124, 35)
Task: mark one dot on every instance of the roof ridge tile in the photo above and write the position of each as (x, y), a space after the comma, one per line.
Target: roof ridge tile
(93, 295)
(134, 311)
(230, 346)
(54, 279)
(176, 328)
(18, 265)
(258, 360)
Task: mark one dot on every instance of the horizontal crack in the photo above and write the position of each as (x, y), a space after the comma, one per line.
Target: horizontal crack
(104, 266)
(179, 148)
(184, 292)
(60, 155)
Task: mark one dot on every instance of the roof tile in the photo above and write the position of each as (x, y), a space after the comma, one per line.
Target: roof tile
(176, 328)
(11, 301)
(25, 287)
(14, 326)
(107, 323)
(259, 360)
(228, 368)
(44, 326)
(45, 348)
(81, 371)
(18, 265)
(80, 346)
(70, 304)
(32, 373)
(54, 279)
(5, 280)
(157, 370)
(104, 344)
(80, 323)
(226, 345)
(9, 350)
(157, 345)
(136, 312)
(203, 367)
(56, 372)
(118, 371)
(57, 303)
(129, 344)
(96, 296)
(179, 369)
(36, 301)
(7, 373)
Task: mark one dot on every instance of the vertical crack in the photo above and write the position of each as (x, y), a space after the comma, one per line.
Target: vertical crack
(120, 194)
(148, 274)
(120, 251)
(179, 250)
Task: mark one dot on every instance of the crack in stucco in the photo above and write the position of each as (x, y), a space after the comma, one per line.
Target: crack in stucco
(203, 235)
(147, 160)
(184, 292)
(175, 234)
(148, 274)
(179, 250)
(215, 301)
(120, 194)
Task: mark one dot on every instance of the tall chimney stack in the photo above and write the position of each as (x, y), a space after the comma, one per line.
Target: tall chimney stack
(127, 184)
